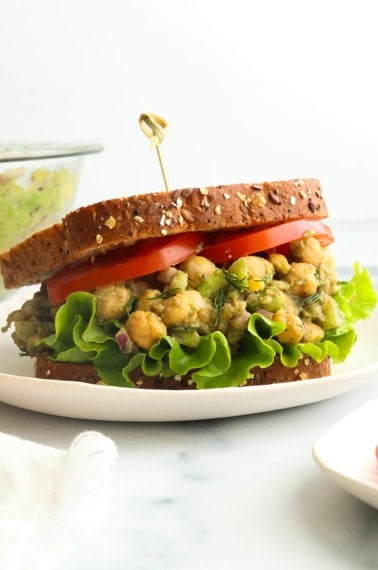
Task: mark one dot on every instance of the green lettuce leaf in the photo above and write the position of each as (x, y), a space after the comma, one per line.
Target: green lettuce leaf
(357, 297)
(80, 338)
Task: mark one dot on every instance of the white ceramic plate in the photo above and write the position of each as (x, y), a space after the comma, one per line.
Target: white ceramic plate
(346, 453)
(19, 388)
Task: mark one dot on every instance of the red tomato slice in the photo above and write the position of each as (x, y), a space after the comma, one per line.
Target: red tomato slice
(227, 246)
(122, 264)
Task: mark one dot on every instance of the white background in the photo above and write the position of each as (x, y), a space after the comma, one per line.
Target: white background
(252, 90)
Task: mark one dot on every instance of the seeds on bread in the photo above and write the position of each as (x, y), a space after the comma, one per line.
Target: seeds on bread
(96, 229)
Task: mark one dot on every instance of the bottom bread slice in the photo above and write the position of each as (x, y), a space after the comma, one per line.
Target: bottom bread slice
(276, 373)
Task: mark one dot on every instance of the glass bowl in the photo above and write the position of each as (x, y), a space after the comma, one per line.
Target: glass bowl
(38, 186)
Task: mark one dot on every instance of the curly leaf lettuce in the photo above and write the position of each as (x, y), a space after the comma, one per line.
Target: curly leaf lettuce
(80, 338)
(357, 297)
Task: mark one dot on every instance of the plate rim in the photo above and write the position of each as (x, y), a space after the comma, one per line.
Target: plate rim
(365, 490)
(162, 405)
(141, 404)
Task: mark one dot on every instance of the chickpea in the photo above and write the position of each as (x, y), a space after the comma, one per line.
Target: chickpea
(233, 314)
(327, 272)
(272, 299)
(256, 270)
(280, 263)
(150, 300)
(280, 284)
(294, 327)
(332, 314)
(314, 313)
(260, 272)
(189, 308)
(179, 281)
(302, 279)
(145, 328)
(166, 275)
(259, 268)
(289, 305)
(198, 268)
(312, 332)
(307, 250)
(111, 301)
(173, 278)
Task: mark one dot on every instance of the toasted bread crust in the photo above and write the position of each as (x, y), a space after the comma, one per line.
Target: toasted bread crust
(274, 374)
(93, 230)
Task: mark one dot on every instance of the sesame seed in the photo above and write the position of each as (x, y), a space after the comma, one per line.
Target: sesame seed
(178, 202)
(226, 196)
(139, 219)
(163, 232)
(204, 191)
(218, 210)
(241, 196)
(162, 220)
(99, 239)
(293, 200)
(205, 202)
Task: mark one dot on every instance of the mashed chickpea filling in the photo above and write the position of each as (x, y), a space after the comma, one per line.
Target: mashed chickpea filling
(199, 307)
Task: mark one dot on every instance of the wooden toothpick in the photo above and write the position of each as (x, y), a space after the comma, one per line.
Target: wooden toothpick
(154, 128)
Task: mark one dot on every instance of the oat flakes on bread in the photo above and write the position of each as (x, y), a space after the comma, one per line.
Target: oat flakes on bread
(96, 229)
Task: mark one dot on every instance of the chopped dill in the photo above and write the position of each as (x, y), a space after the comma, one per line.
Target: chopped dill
(311, 299)
(235, 281)
(130, 305)
(218, 301)
(166, 294)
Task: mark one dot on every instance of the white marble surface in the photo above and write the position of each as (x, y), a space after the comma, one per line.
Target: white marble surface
(240, 492)
(235, 493)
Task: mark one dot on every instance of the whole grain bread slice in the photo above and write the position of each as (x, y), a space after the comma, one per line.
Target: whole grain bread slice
(277, 373)
(98, 228)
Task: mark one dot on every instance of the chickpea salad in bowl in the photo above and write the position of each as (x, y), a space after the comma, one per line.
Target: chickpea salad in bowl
(202, 307)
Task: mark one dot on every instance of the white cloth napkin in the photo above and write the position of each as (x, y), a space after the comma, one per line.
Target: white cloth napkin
(49, 496)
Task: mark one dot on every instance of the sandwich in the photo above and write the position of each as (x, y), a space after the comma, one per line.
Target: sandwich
(233, 285)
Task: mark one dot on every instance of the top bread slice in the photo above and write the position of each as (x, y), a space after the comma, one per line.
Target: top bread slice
(98, 228)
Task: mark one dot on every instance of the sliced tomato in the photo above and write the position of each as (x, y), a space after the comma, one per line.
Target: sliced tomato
(226, 246)
(122, 264)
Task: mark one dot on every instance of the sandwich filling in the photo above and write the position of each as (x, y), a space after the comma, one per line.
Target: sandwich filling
(212, 308)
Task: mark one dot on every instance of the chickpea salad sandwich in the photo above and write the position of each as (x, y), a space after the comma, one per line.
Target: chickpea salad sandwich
(188, 289)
